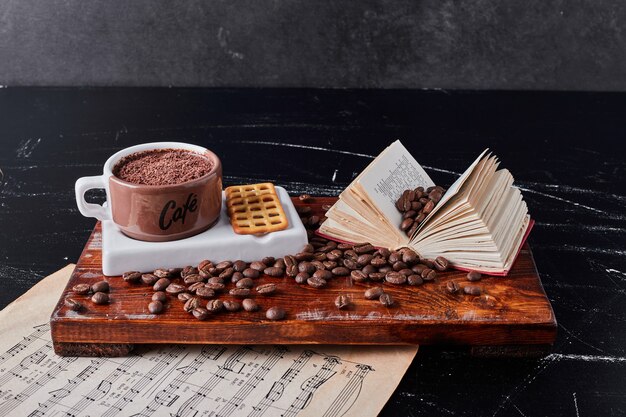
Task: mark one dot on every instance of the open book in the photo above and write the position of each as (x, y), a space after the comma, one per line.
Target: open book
(479, 224)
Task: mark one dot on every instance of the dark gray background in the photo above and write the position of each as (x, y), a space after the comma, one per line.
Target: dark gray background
(483, 44)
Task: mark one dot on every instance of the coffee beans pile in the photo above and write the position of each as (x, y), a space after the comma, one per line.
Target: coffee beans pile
(415, 205)
(97, 293)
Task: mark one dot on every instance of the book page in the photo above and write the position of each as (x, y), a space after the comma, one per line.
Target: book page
(392, 172)
(186, 380)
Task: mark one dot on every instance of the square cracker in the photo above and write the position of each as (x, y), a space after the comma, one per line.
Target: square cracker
(255, 209)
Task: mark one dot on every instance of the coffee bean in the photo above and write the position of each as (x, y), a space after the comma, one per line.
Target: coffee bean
(131, 276)
(366, 258)
(351, 254)
(430, 264)
(428, 207)
(419, 268)
(188, 270)
(322, 274)
(291, 270)
(258, 265)
(406, 271)
(374, 293)
(100, 298)
(251, 273)
(191, 304)
(100, 286)
(205, 292)
(214, 306)
(474, 276)
(250, 305)
(194, 287)
(302, 277)
(398, 266)
(441, 263)
(303, 209)
(175, 289)
(319, 256)
(222, 266)
(350, 264)
(413, 228)
(205, 264)
(215, 286)
(385, 268)
(161, 284)
(395, 278)
(266, 289)
(162, 273)
(429, 274)
(239, 292)
(279, 263)
(326, 207)
(175, 272)
(364, 248)
(406, 223)
(329, 264)
(289, 261)
(340, 271)
(394, 257)
(304, 198)
(184, 296)
(227, 273)
(334, 255)
(409, 214)
(472, 290)
(409, 256)
(377, 276)
(316, 282)
(239, 266)
(318, 265)
(200, 313)
(342, 301)
(307, 267)
(231, 305)
(274, 271)
(268, 260)
(73, 304)
(414, 280)
(275, 313)
(308, 248)
(237, 276)
(358, 276)
(245, 283)
(368, 269)
(304, 256)
(384, 252)
(192, 279)
(386, 299)
(155, 307)
(378, 262)
(452, 287)
(215, 280)
(313, 221)
(207, 271)
(159, 296)
(81, 289)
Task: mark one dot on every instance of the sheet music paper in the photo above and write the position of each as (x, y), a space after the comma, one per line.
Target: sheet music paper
(186, 380)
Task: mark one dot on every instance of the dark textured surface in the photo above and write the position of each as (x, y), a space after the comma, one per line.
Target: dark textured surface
(564, 149)
(484, 44)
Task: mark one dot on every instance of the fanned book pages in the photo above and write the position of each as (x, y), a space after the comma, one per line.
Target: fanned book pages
(479, 224)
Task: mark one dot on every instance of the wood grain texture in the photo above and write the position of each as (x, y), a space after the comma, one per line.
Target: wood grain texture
(513, 310)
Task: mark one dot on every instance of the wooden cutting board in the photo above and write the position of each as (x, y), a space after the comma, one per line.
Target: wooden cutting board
(512, 317)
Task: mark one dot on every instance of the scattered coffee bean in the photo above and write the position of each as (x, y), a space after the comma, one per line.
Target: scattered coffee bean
(237, 276)
(194, 287)
(215, 286)
(418, 269)
(406, 272)
(472, 290)
(239, 266)
(340, 271)
(191, 304)
(73, 304)
(266, 289)
(414, 280)
(100, 298)
(409, 256)
(188, 270)
(326, 207)
(302, 277)
(441, 263)
(308, 248)
(200, 313)
(159, 296)
(378, 262)
(366, 258)
(250, 305)
(131, 276)
(161, 284)
(155, 307)
(364, 248)
(368, 269)
(239, 292)
(474, 276)
(184, 296)
(374, 293)
(215, 280)
(316, 282)
(304, 256)
(205, 292)
(394, 257)
(429, 274)
(227, 273)
(175, 289)
(307, 267)
(214, 306)
(149, 279)
(304, 198)
(268, 260)
(398, 266)
(222, 266)
(350, 264)
(162, 273)
(322, 274)
(251, 272)
(231, 305)
(358, 276)
(279, 263)
(452, 287)
(395, 278)
(386, 299)
(342, 301)
(275, 313)
(377, 276)
(274, 271)
(192, 279)
(100, 286)
(245, 283)
(81, 289)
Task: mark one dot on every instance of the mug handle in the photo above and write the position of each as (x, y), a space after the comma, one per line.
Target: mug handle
(89, 209)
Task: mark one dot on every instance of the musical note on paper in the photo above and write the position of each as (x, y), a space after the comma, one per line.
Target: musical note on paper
(189, 380)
